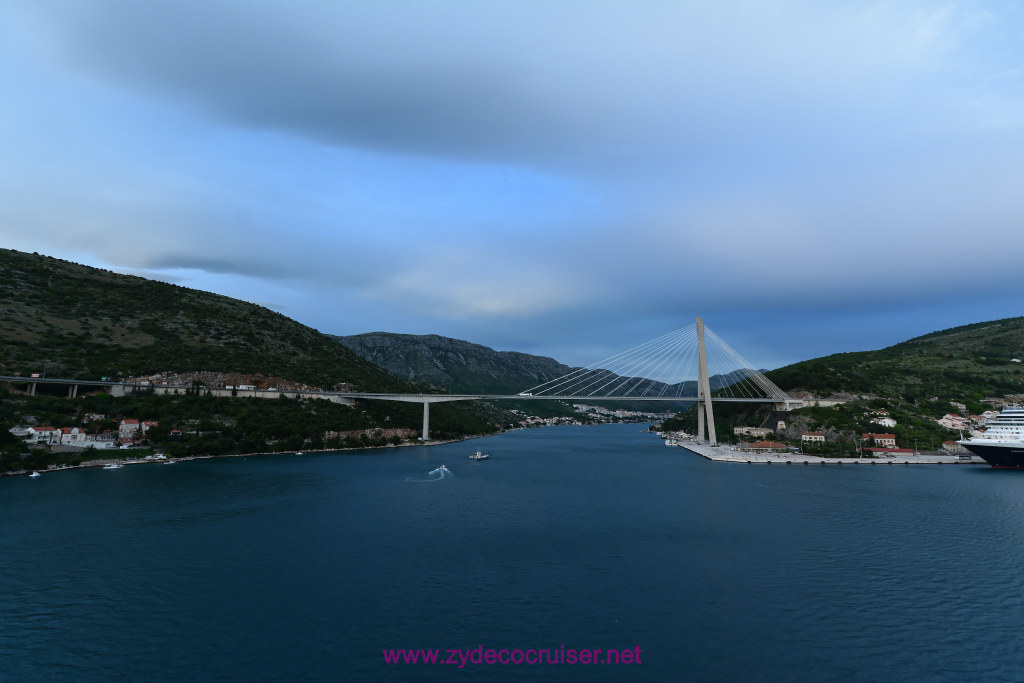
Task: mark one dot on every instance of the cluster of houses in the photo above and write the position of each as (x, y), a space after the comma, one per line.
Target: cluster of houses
(971, 423)
(603, 414)
(129, 433)
(881, 444)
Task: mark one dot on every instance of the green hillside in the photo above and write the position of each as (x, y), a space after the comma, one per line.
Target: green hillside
(956, 364)
(86, 323)
(79, 322)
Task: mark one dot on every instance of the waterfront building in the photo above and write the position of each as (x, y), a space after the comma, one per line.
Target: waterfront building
(72, 436)
(43, 436)
(883, 440)
(128, 428)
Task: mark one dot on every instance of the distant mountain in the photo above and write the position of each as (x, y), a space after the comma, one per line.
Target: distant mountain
(463, 367)
(80, 322)
(986, 359)
(458, 366)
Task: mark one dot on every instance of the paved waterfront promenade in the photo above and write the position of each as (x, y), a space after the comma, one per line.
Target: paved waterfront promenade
(726, 454)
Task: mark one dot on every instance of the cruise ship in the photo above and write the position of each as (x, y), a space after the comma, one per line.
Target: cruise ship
(1002, 444)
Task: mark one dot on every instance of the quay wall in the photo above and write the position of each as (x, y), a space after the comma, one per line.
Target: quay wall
(727, 454)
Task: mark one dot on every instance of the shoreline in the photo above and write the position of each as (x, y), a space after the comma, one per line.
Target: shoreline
(100, 463)
(92, 464)
(726, 454)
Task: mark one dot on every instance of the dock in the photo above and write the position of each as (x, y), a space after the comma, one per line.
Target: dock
(728, 454)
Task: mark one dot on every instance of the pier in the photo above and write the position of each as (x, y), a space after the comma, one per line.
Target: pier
(727, 454)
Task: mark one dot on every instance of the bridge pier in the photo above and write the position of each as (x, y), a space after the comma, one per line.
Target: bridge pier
(32, 389)
(72, 390)
(704, 391)
(425, 399)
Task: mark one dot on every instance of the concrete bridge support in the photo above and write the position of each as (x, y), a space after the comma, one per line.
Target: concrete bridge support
(704, 391)
(426, 401)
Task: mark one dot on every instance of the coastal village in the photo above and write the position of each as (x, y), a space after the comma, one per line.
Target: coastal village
(777, 435)
(97, 432)
(73, 439)
(132, 433)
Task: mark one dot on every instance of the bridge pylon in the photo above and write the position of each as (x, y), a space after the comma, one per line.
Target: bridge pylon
(704, 391)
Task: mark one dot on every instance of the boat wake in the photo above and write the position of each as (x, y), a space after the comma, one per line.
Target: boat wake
(438, 474)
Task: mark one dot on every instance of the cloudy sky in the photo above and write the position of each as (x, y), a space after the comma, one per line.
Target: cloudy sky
(567, 178)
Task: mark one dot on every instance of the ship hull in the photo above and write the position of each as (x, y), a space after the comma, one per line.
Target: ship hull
(1007, 455)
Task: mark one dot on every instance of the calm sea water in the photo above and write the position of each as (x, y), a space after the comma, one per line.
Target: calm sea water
(307, 567)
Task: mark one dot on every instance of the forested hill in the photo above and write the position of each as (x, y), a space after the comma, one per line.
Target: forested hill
(85, 323)
(456, 365)
(955, 363)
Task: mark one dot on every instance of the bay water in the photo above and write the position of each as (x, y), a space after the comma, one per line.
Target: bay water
(310, 567)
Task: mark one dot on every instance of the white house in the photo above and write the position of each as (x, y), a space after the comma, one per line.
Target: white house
(101, 441)
(43, 435)
(72, 436)
(128, 428)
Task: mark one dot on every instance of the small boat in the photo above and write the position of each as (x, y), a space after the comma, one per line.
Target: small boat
(113, 466)
(35, 474)
(479, 456)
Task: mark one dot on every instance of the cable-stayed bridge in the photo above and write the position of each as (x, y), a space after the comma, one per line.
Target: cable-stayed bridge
(691, 364)
(670, 367)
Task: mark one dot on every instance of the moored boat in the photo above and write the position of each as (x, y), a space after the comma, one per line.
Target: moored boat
(1002, 443)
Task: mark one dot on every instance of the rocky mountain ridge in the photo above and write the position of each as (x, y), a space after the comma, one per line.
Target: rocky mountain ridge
(456, 365)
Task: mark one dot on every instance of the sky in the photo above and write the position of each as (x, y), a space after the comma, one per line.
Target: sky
(568, 178)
